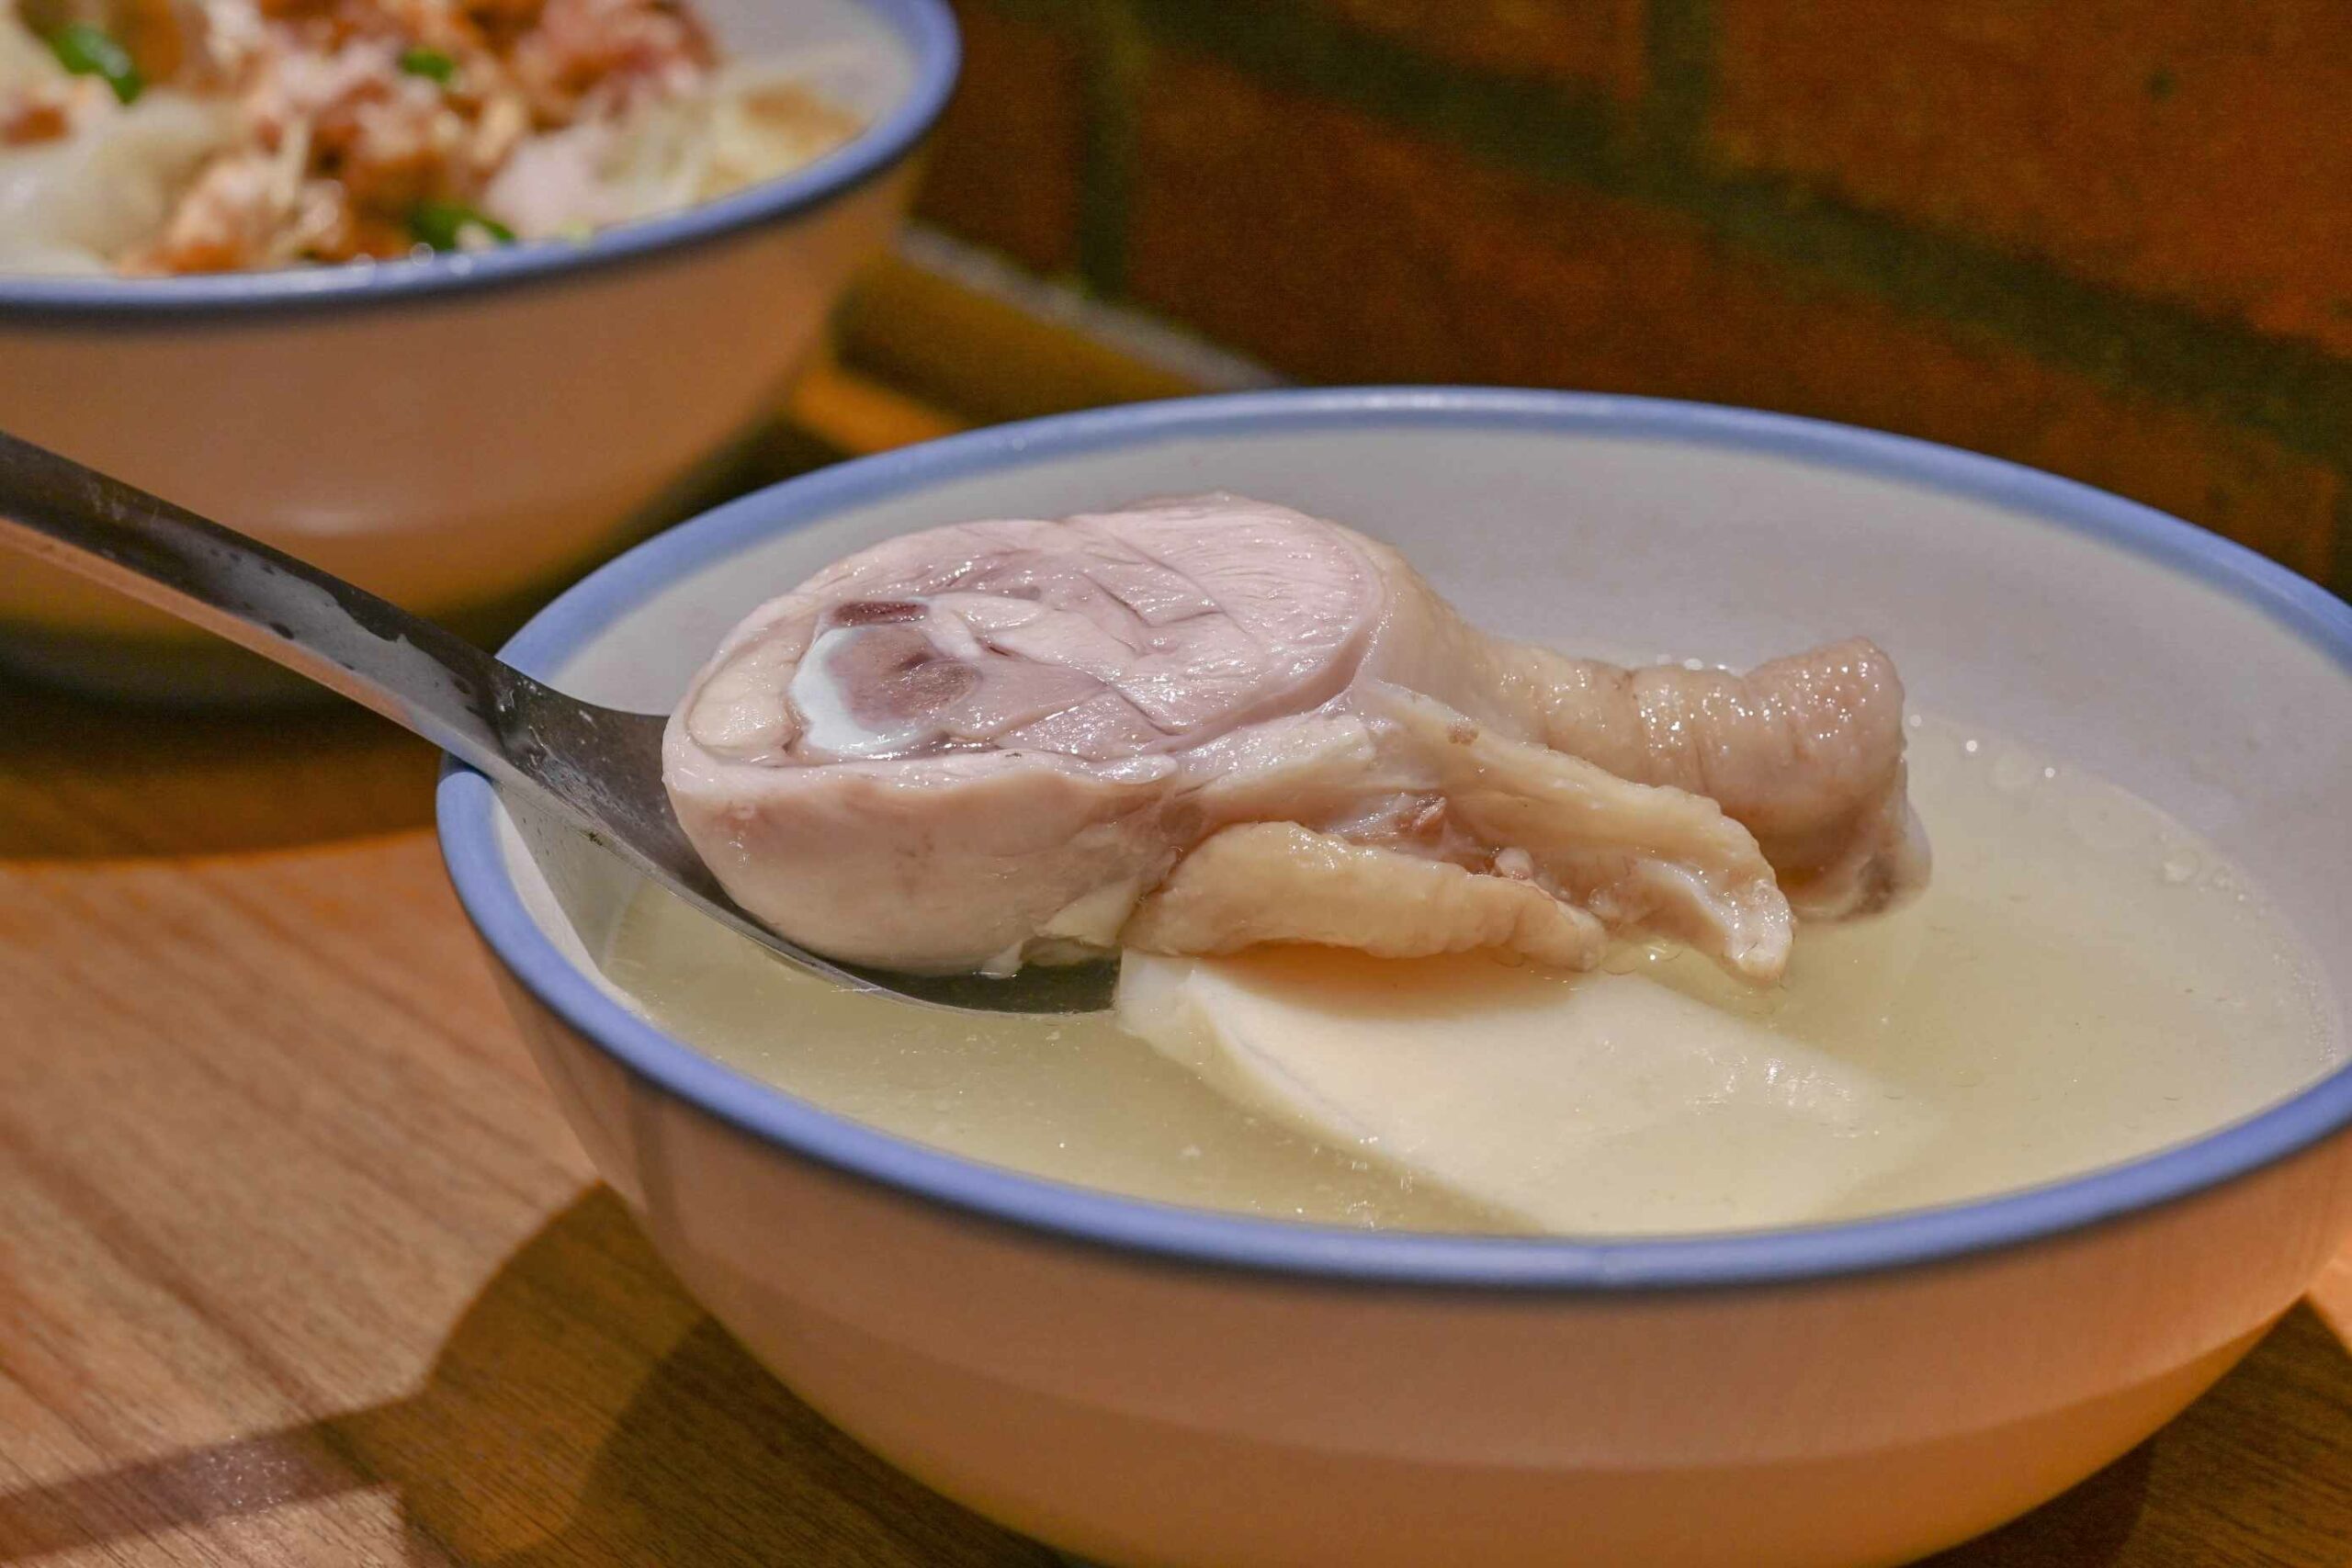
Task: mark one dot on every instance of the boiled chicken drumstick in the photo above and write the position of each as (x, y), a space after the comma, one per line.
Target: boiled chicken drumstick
(1197, 724)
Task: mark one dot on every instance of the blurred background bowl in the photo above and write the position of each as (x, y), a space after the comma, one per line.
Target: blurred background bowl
(466, 432)
(1142, 1384)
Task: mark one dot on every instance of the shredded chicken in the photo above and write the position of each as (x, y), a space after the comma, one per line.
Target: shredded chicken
(368, 128)
(346, 141)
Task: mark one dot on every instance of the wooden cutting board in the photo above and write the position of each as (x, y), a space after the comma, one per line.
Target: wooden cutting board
(297, 1264)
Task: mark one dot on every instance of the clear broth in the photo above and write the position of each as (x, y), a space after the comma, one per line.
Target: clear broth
(2084, 981)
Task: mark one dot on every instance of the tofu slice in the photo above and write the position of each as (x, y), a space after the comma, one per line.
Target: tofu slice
(1590, 1105)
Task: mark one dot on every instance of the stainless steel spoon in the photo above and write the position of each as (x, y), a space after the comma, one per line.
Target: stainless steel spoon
(600, 767)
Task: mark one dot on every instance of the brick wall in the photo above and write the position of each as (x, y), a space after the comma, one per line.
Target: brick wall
(2111, 238)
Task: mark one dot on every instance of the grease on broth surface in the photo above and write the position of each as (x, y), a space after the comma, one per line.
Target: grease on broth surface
(2084, 981)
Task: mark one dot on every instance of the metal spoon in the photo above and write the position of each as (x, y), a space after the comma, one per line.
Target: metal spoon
(600, 767)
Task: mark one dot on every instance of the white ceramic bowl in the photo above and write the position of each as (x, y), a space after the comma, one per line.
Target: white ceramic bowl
(1140, 1385)
(459, 433)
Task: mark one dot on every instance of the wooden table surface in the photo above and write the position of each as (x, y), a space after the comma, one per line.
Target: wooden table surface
(297, 1264)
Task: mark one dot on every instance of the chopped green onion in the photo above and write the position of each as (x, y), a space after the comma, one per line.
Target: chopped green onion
(441, 223)
(428, 63)
(87, 50)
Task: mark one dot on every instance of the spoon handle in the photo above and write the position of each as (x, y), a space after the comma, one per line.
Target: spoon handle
(412, 672)
(600, 766)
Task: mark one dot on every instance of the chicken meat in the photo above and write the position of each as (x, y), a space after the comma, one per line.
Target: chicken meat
(1200, 725)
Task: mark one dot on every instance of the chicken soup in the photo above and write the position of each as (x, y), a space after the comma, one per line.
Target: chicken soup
(1423, 927)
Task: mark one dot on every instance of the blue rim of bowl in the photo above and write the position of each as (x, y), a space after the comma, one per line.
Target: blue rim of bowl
(471, 847)
(926, 28)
